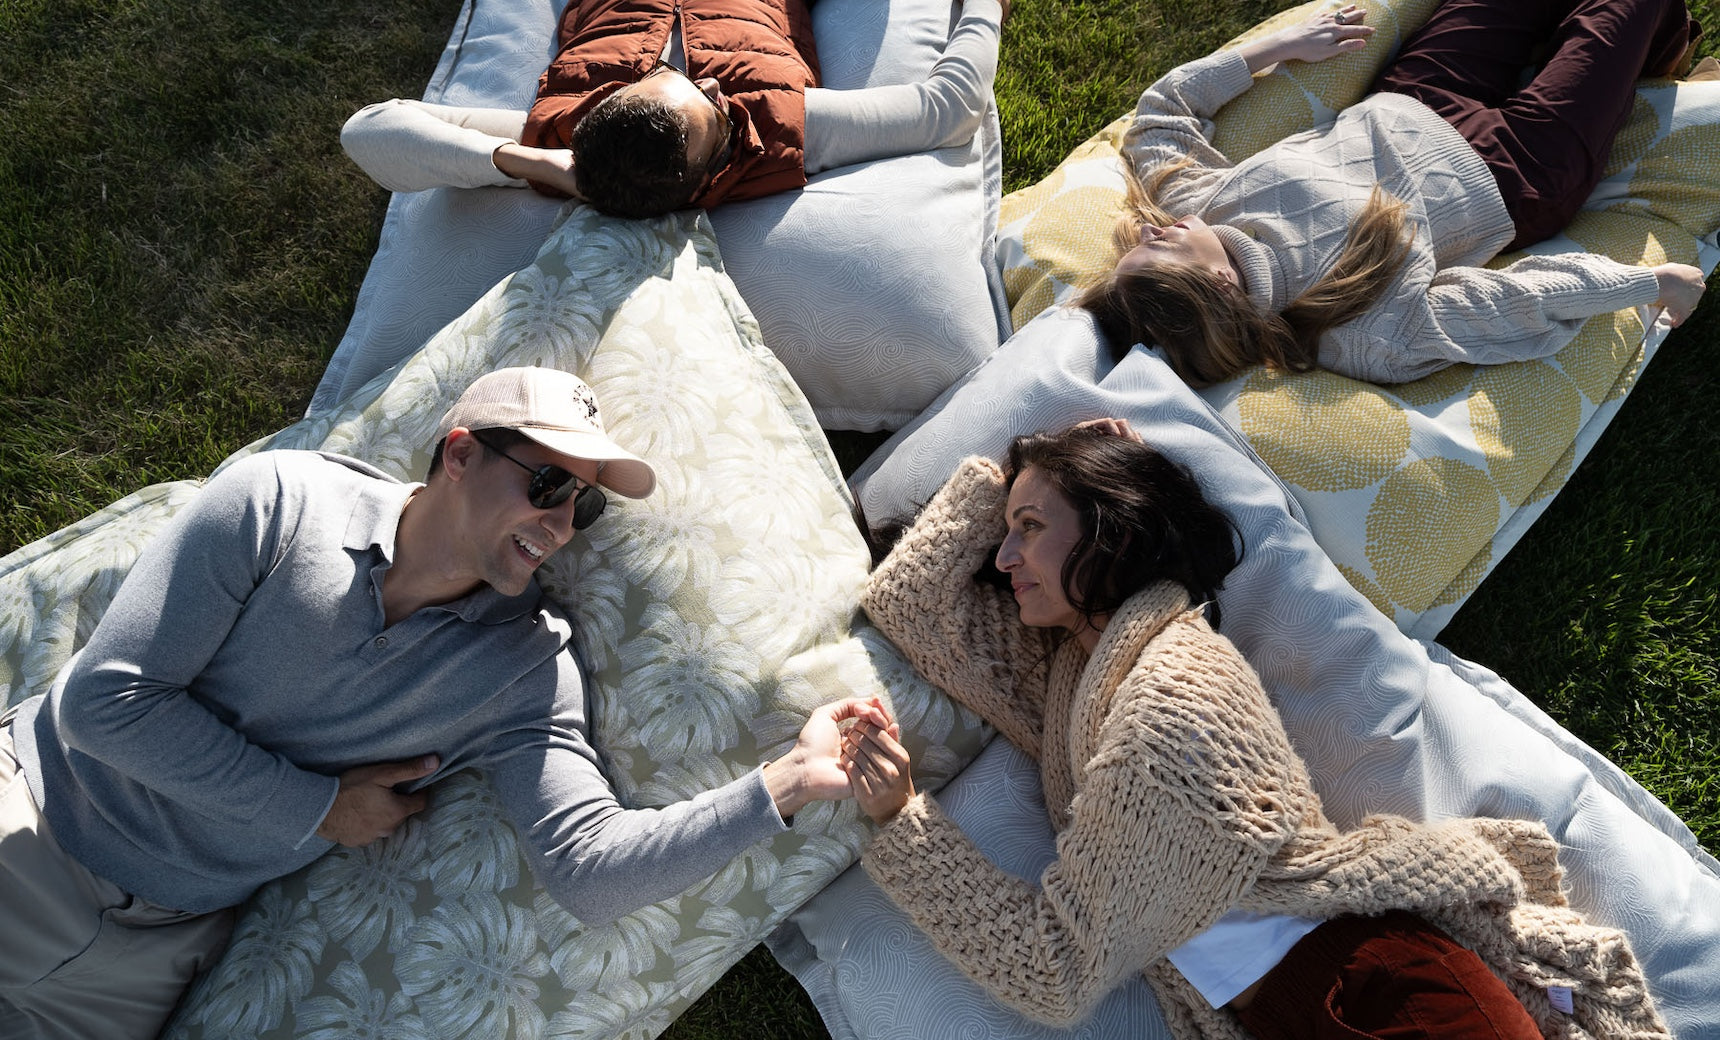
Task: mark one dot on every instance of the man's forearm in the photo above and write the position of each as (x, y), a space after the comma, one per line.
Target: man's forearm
(409, 145)
(850, 126)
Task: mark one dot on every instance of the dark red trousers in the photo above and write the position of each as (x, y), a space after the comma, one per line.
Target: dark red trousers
(1393, 977)
(1546, 140)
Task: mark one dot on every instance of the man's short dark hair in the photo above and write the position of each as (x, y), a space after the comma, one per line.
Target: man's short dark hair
(630, 157)
(495, 438)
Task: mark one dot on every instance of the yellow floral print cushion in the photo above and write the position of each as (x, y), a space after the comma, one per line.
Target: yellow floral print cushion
(712, 616)
(1415, 490)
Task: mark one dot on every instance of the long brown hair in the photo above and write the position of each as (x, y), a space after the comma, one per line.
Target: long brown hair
(1207, 328)
(1143, 519)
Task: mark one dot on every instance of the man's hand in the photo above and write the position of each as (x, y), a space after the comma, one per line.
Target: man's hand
(812, 770)
(1326, 35)
(368, 807)
(552, 167)
(878, 767)
(1681, 288)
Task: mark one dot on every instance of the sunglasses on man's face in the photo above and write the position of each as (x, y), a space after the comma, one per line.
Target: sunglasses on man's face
(713, 93)
(551, 486)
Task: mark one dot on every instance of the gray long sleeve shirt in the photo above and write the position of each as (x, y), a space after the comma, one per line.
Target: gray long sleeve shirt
(189, 752)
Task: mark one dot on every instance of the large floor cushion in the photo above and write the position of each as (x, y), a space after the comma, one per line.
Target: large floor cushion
(1385, 722)
(874, 284)
(1416, 490)
(712, 616)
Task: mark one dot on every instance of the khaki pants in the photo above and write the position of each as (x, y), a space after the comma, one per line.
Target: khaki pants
(80, 958)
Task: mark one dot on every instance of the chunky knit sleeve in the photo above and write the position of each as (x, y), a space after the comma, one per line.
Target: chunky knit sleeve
(965, 637)
(1181, 806)
(1475, 315)
(1173, 119)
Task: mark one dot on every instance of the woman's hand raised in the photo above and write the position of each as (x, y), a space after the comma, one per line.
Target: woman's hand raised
(1326, 35)
(1114, 427)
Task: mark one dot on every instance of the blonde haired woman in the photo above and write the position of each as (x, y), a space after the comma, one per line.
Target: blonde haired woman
(1357, 246)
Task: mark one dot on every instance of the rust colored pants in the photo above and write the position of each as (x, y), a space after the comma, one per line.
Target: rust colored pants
(1392, 977)
(1546, 140)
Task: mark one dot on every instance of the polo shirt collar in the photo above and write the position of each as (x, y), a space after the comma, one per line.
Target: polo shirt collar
(372, 528)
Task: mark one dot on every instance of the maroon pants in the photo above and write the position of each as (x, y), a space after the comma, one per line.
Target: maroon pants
(1394, 977)
(1546, 140)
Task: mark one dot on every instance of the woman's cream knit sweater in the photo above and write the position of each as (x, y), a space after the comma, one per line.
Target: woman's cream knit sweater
(1177, 797)
(1284, 214)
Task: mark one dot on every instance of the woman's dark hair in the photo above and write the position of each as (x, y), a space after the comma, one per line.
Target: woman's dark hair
(1143, 518)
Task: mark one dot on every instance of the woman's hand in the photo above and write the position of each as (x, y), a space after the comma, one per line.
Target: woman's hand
(1326, 35)
(1681, 289)
(816, 768)
(878, 769)
(1114, 427)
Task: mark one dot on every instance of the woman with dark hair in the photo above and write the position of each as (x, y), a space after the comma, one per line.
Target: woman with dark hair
(1356, 246)
(1191, 846)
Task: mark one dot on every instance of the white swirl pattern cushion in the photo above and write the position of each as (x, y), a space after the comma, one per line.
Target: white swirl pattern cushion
(814, 266)
(1386, 723)
(712, 617)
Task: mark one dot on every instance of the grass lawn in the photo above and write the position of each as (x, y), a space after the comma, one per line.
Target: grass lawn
(181, 241)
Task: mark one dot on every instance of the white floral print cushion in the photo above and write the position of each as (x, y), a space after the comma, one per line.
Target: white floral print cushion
(713, 616)
(874, 284)
(1416, 490)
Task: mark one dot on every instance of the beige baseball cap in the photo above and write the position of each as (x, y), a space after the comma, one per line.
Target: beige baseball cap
(557, 410)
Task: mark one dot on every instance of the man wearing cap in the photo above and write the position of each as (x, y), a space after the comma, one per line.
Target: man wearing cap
(305, 647)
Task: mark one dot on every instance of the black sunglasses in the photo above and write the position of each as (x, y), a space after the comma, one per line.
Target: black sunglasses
(552, 485)
(719, 161)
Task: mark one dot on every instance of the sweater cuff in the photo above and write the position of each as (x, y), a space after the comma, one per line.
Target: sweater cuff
(1210, 83)
(749, 799)
(302, 800)
(903, 847)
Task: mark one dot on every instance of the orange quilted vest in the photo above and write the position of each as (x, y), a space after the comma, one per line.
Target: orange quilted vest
(761, 51)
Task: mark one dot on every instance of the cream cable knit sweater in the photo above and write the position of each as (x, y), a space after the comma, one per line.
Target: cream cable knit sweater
(1177, 796)
(1284, 213)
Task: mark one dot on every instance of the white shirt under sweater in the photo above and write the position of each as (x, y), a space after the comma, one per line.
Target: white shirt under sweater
(1283, 215)
(407, 145)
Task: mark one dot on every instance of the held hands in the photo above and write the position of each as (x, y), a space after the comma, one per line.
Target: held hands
(1326, 35)
(878, 769)
(1681, 288)
(368, 808)
(813, 769)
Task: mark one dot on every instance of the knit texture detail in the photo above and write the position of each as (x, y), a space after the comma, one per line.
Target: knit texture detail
(1178, 797)
(1291, 205)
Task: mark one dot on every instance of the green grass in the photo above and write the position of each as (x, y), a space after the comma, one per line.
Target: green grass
(181, 241)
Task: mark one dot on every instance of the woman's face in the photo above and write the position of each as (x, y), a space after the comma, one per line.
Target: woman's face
(1043, 527)
(1189, 241)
